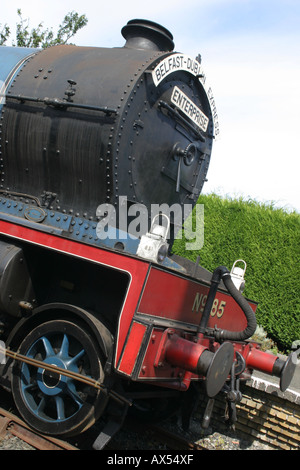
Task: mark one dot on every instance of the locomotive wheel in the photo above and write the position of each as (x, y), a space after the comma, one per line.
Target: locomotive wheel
(53, 403)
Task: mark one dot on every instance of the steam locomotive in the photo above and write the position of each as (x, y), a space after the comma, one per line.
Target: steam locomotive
(98, 318)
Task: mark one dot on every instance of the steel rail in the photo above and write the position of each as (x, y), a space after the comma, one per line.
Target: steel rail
(12, 424)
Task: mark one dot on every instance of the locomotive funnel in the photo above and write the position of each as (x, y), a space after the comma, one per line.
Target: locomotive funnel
(143, 34)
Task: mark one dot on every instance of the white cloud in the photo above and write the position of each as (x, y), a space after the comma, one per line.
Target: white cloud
(256, 79)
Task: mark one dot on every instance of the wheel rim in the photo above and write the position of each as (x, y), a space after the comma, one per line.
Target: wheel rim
(51, 402)
(52, 397)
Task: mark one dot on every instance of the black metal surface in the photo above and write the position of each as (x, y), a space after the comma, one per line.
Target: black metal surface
(208, 413)
(219, 369)
(86, 125)
(61, 104)
(15, 281)
(115, 420)
(144, 34)
(288, 371)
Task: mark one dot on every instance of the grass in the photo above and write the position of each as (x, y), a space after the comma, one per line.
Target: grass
(267, 238)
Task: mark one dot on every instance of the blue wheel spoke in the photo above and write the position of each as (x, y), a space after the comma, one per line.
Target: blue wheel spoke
(64, 349)
(53, 397)
(29, 387)
(73, 361)
(26, 375)
(41, 405)
(74, 395)
(60, 408)
(47, 345)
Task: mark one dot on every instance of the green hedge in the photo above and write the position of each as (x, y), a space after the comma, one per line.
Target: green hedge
(268, 240)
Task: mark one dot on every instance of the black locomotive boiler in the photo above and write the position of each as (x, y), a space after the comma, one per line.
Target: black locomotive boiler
(97, 117)
(88, 320)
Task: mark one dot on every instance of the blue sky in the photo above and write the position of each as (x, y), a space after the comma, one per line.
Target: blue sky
(251, 55)
(236, 17)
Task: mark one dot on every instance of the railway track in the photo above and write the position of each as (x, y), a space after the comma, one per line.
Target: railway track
(15, 434)
(133, 436)
(11, 425)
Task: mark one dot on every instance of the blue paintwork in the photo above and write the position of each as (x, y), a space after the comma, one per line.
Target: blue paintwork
(69, 226)
(60, 389)
(11, 60)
